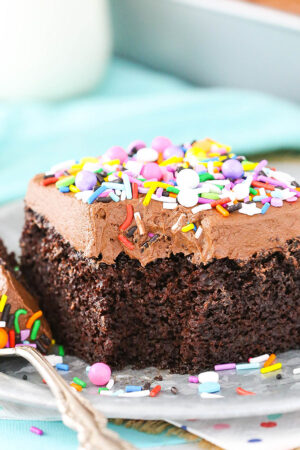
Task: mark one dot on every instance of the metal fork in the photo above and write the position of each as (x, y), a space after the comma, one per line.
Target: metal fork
(77, 413)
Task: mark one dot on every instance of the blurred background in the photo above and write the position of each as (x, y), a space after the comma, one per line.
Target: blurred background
(77, 77)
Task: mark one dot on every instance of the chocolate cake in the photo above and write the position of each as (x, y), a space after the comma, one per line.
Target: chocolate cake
(178, 257)
(31, 328)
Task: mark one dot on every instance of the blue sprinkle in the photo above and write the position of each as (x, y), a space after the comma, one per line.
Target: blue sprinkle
(60, 366)
(210, 387)
(247, 366)
(215, 158)
(254, 440)
(64, 189)
(114, 197)
(112, 185)
(184, 427)
(258, 198)
(265, 208)
(130, 388)
(96, 194)
(276, 194)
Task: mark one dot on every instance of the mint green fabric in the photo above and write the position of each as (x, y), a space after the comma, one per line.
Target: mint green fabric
(15, 434)
(134, 102)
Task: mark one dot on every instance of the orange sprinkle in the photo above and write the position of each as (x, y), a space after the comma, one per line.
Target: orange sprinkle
(172, 194)
(50, 180)
(135, 192)
(126, 242)
(270, 360)
(129, 217)
(76, 386)
(222, 211)
(242, 391)
(221, 201)
(33, 318)
(155, 391)
(160, 158)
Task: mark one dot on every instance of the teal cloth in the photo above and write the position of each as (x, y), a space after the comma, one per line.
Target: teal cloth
(137, 103)
(15, 434)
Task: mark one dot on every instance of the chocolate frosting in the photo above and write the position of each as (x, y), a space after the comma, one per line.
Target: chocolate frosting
(18, 297)
(94, 229)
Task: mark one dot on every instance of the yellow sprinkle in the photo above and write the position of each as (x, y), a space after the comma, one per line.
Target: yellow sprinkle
(53, 342)
(90, 159)
(2, 302)
(185, 165)
(222, 210)
(113, 162)
(74, 171)
(188, 227)
(173, 160)
(120, 174)
(271, 368)
(157, 184)
(74, 188)
(76, 167)
(149, 194)
(248, 165)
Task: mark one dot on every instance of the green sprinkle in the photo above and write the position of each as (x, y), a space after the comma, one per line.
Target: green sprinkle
(65, 181)
(102, 389)
(16, 268)
(61, 350)
(205, 177)
(173, 189)
(210, 195)
(99, 170)
(18, 313)
(219, 186)
(34, 330)
(79, 382)
(253, 191)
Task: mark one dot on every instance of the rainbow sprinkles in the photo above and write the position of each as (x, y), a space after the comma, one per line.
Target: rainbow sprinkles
(202, 175)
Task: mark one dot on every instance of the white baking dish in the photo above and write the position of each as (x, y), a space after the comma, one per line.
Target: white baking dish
(213, 42)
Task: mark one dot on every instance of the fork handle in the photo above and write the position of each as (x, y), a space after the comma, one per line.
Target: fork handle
(77, 413)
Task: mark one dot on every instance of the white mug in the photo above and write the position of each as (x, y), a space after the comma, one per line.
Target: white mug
(51, 49)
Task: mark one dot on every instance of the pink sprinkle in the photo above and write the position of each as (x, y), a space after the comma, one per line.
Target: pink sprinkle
(277, 202)
(271, 181)
(205, 200)
(227, 366)
(135, 180)
(24, 334)
(291, 199)
(219, 176)
(265, 200)
(36, 430)
(263, 163)
(143, 190)
(27, 345)
(106, 193)
(193, 379)
(159, 192)
(221, 426)
(247, 199)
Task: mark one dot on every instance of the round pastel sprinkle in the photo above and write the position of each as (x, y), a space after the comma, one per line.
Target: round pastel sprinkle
(233, 169)
(210, 376)
(85, 180)
(187, 198)
(160, 143)
(117, 153)
(147, 154)
(99, 374)
(171, 151)
(187, 179)
(277, 202)
(209, 386)
(152, 170)
(136, 145)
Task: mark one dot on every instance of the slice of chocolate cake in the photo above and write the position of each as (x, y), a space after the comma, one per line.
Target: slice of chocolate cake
(21, 320)
(177, 257)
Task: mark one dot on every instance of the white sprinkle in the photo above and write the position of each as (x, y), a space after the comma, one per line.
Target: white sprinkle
(203, 207)
(118, 192)
(279, 176)
(221, 182)
(139, 223)
(54, 359)
(106, 393)
(163, 199)
(296, 371)
(145, 393)
(259, 359)
(241, 191)
(170, 205)
(134, 166)
(250, 209)
(127, 185)
(262, 192)
(110, 384)
(205, 377)
(177, 224)
(209, 395)
(91, 167)
(210, 167)
(123, 196)
(64, 165)
(147, 155)
(187, 179)
(84, 195)
(198, 232)
(2, 324)
(205, 189)
(187, 197)
(214, 189)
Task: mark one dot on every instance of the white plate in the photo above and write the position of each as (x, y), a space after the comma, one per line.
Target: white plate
(272, 395)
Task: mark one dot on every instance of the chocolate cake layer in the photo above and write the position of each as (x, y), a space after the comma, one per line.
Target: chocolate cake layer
(171, 313)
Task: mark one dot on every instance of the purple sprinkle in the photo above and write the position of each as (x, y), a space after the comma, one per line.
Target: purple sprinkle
(24, 334)
(193, 379)
(277, 202)
(271, 181)
(27, 345)
(263, 163)
(150, 235)
(36, 430)
(143, 190)
(227, 366)
(265, 200)
(219, 176)
(159, 192)
(205, 200)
